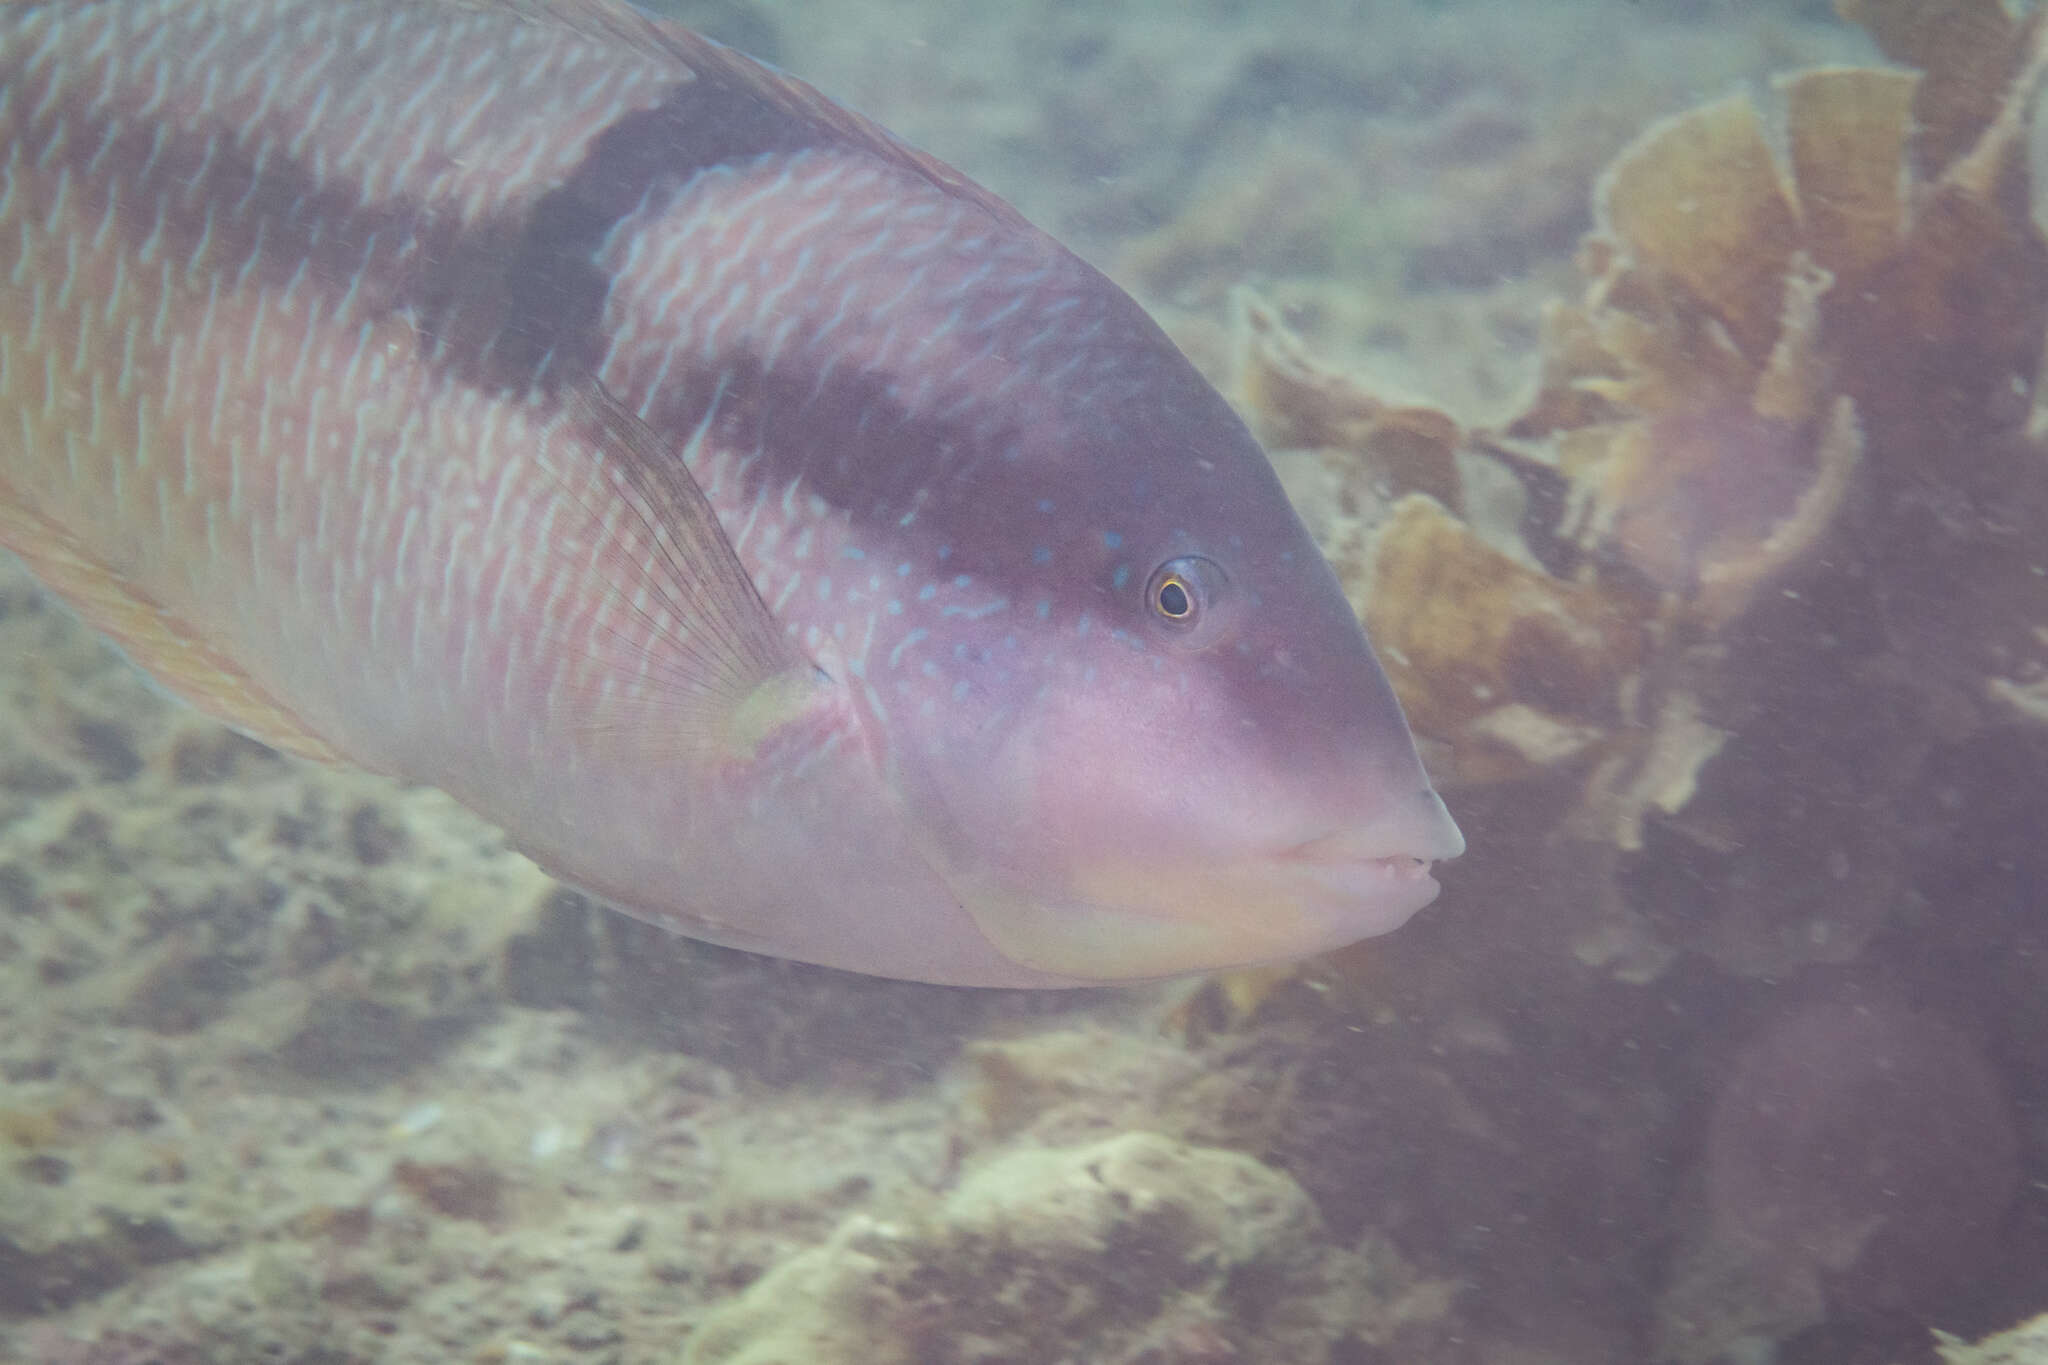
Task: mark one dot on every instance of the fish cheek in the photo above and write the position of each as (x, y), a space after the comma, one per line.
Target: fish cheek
(1078, 846)
(1075, 780)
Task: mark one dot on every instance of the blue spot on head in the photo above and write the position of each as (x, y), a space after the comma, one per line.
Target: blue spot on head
(1041, 555)
(896, 654)
(1112, 539)
(962, 580)
(945, 553)
(854, 552)
(1045, 504)
(960, 690)
(903, 569)
(895, 607)
(927, 592)
(1123, 576)
(1044, 609)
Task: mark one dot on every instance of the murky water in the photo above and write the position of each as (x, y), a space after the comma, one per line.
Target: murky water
(1671, 419)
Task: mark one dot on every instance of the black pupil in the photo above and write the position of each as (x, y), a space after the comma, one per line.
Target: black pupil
(1173, 599)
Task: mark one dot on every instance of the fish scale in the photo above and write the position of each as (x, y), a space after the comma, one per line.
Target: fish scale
(766, 525)
(791, 542)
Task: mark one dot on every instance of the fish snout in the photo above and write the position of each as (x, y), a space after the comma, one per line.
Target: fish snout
(1417, 831)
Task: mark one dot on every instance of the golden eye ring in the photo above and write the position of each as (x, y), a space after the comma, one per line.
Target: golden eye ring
(1173, 597)
(1190, 604)
(1183, 593)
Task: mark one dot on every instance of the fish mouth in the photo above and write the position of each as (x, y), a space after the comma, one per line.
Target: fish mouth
(1126, 920)
(1356, 896)
(1420, 836)
(1397, 884)
(1338, 874)
(1371, 878)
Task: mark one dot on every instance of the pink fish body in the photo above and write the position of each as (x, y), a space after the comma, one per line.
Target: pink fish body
(765, 525)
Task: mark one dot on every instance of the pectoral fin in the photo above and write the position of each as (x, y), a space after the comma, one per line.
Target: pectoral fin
(688, 634)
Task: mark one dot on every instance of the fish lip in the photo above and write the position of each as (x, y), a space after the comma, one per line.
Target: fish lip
(1321, 853)
(1409, 852)
(1356, 897)
(1388, 859)
(1360, 874)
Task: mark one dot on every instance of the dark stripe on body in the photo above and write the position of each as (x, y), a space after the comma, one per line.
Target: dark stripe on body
(553, 288)
(507, 304)
(513, 305)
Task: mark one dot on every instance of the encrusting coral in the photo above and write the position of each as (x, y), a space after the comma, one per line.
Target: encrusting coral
(1778, 500)
(1729, 644)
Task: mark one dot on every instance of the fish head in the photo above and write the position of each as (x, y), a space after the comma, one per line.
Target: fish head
(1171, 749)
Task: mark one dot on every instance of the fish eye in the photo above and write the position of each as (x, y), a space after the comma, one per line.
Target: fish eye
(1184, 591)
(1172, 599)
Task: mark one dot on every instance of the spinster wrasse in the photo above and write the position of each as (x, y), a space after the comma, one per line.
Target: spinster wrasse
(764, 524)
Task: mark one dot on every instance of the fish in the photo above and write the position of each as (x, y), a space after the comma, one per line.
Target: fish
(764, 524)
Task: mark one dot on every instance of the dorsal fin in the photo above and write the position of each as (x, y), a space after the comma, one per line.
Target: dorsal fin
(618, 22)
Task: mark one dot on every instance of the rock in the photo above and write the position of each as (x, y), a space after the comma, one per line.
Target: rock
(375, 836)
(554, 966)
(1136, 1248)
(2026, 1344)
(1859, 1160)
